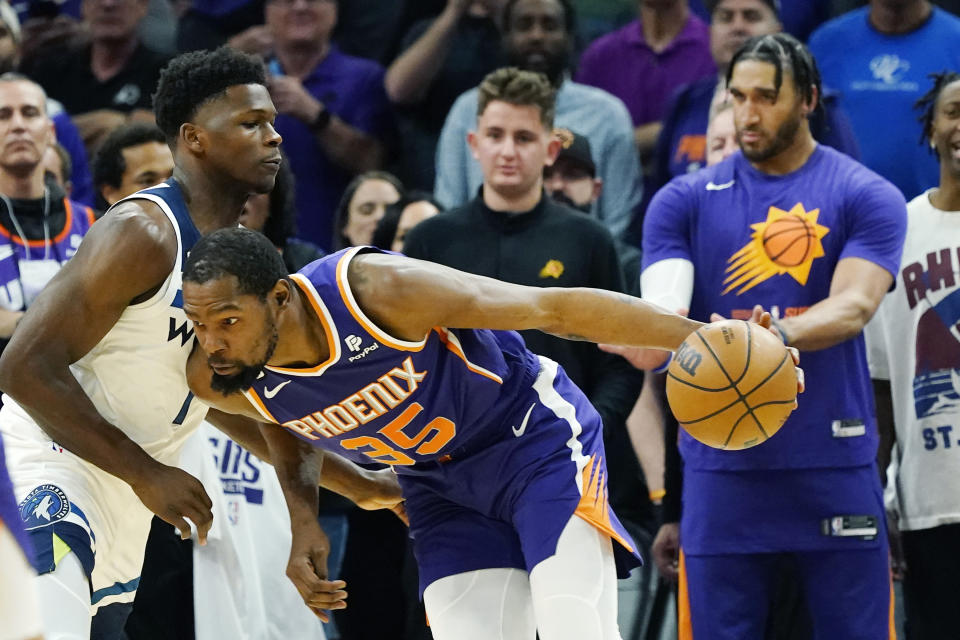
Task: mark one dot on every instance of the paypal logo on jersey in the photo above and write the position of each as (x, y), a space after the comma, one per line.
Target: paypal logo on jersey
(45, 505)
(354, 343)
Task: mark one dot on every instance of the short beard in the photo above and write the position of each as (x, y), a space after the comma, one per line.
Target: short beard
(782, 140)
(554, 67)
(243, 380)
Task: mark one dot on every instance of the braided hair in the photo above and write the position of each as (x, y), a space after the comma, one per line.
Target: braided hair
(783, 50)
(927, 104)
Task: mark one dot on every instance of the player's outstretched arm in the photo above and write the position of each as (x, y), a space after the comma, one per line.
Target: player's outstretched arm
(409, 297)
(125, 257)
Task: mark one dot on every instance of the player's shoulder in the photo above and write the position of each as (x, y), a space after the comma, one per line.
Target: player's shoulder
(856, 176)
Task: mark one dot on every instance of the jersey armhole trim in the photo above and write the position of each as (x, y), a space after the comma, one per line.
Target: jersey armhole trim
(361, 317)
(329, 328)
(450, 340)
(257, 403)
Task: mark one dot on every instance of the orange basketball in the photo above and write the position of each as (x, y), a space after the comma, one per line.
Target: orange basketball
(731, 384)
(789, 241)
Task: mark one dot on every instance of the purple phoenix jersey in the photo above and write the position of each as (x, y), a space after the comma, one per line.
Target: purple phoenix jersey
(490, 443)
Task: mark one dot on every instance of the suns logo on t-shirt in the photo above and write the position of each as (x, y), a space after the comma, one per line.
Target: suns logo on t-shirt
(786, 242)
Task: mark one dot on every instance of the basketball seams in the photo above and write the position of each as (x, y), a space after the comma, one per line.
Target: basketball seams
(742, 398)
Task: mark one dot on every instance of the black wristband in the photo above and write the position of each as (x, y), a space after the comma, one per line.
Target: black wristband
(322, 121)
(779, 327)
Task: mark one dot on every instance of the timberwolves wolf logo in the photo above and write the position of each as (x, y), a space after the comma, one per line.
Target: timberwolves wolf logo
(932, 284)
(45, 505)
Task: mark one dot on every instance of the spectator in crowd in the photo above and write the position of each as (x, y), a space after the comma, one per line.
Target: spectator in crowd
(402, 216)
(644, 62)
(572, 180)
(133, 157)
(108, 82)
(878, 59)
(40, 228)
(334, 114)
(362, 205)
(57, 167)
(916, 351)
(513, 232)
(799, 18)
(441, 58)
(538, 36)
(67, 134)
(832, 530)
(681, 148)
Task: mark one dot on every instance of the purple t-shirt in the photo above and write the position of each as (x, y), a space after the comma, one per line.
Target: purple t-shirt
(622, 63)
(716, 218)
(352, 89)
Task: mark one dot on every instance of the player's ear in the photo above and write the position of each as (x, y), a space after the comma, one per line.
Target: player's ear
(193, 138)
(282, 293)
(472, 144)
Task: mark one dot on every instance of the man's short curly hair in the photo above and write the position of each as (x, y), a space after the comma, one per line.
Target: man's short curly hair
(519, 88)
(193, 79)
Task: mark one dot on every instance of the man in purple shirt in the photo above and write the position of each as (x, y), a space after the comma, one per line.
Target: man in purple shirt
(810, 496)
(334, 114)
(644, 62)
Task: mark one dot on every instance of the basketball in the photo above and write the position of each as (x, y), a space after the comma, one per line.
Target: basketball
(731, 384)
(789, 241)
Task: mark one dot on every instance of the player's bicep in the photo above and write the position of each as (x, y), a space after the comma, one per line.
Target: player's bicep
(409, 297)
(120, 258)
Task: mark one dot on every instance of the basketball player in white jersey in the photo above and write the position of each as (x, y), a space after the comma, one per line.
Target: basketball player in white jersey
(97, 404)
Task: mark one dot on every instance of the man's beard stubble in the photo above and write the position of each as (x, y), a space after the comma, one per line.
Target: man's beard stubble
(248, 373)
(784, 137)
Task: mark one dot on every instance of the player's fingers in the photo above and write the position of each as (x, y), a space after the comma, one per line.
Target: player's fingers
(329, 599)
(801, 381)
(716, 317)
(795, 354)
(180, 523)
(324, 617)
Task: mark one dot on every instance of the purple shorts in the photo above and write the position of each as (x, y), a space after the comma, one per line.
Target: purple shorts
(505, 504)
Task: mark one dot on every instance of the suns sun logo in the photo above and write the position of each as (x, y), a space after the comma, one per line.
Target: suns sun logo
(786, 242)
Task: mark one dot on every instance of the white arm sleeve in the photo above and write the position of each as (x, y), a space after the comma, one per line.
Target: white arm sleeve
(668, 284)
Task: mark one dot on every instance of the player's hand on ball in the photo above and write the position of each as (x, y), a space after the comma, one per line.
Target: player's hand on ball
(765, 320)
(175, 496)
(307, 569)
(666, 550)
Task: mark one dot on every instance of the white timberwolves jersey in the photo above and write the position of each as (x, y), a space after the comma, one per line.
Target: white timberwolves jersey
(135, 376)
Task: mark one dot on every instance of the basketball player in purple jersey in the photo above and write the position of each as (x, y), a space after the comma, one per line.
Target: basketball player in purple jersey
(811, 495)
(97, 404)
(381, 358)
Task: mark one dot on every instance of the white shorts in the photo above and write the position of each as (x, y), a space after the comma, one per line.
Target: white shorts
(69, 505)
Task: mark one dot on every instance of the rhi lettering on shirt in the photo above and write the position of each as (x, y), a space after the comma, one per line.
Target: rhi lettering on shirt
(368, 403)
(353, 342)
